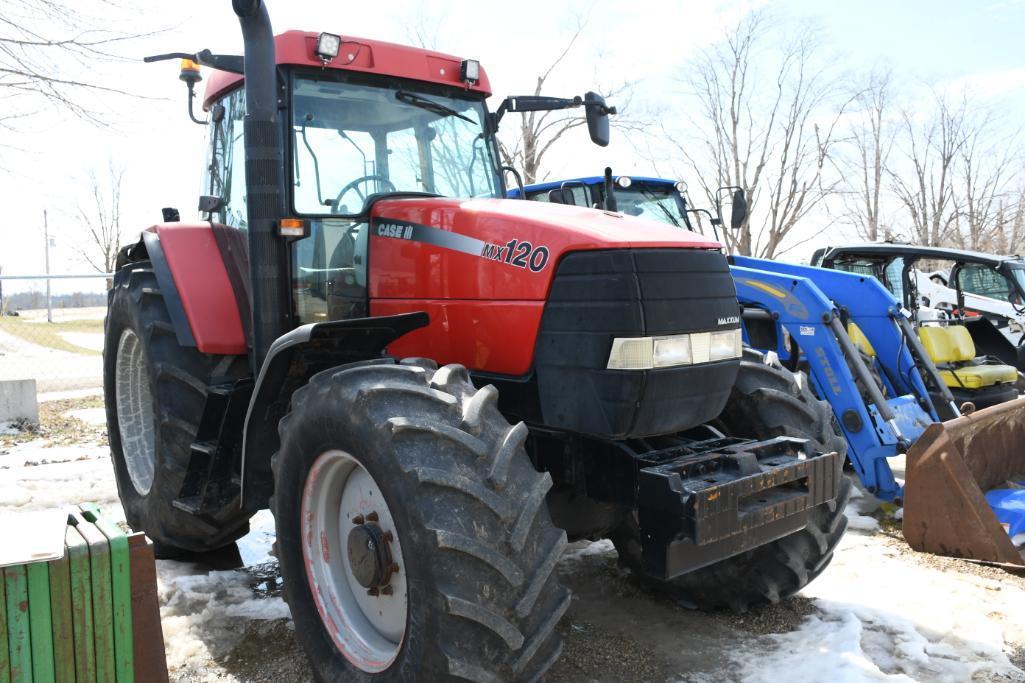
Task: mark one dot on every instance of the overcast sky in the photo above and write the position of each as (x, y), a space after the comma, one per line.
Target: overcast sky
(937, 42)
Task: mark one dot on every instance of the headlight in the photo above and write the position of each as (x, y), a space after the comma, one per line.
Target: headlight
(646, 353)
(723, 345)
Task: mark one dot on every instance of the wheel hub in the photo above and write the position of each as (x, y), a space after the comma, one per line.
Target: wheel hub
(369, 554)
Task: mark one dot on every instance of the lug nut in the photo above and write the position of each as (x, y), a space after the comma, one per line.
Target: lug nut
(387, 590)
(357, 520)
(393, 568)
(373, 591)
(372, 517)
(387, 536)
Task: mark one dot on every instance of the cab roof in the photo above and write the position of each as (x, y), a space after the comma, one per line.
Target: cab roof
(296, 48)
(590, 180)
(887, 250)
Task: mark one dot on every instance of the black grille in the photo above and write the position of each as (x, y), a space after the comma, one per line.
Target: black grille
(597, 296)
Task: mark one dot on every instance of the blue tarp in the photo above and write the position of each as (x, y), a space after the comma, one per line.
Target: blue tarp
(1009, 506)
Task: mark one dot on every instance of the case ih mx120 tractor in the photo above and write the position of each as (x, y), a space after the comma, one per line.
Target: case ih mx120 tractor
(431, 386)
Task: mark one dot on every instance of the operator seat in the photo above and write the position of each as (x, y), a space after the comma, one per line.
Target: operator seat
(561, 196)
(970, 378)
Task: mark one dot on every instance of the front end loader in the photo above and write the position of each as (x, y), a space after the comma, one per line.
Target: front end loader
(864, 357)
(434, 387)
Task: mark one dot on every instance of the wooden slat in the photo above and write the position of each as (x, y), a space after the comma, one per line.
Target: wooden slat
(103, 606)
(5, 655)
(40, 622)
(19, 640)
(77, 552)
(121, 595)
(150, 658)
(61, 612)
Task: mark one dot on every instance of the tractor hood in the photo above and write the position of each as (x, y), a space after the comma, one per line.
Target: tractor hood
(497, 248)
(572, 227)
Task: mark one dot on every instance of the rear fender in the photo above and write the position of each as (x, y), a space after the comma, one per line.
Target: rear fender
(292, 359)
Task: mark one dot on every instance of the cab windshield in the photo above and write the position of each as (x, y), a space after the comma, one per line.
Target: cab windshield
(652, 202)
(352, 140)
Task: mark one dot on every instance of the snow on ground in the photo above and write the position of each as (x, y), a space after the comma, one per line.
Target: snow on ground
(859, 510)
(37, 478)
(200, 609)
(884, 616)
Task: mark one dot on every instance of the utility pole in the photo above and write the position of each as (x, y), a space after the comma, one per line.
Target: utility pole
(46, 236)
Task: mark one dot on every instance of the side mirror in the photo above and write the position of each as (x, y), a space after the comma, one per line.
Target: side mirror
(597, 118)
(738, 212)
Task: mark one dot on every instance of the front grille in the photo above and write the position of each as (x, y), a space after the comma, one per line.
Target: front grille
(599, 295)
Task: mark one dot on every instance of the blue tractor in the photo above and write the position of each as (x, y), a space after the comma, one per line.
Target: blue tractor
(861, 354)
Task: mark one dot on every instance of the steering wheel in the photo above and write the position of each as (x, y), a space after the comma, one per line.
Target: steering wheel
(355, 185)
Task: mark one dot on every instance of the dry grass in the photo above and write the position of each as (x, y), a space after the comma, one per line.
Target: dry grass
(57, 428)
(48, 334)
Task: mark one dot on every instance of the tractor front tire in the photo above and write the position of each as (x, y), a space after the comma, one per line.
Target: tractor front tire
(155, 391)
(412, 529)
(766, 402)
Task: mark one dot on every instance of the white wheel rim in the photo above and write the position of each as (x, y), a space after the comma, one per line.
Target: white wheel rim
(367, 629)
(134, 399)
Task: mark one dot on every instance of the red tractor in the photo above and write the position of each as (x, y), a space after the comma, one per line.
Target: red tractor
(431, 386)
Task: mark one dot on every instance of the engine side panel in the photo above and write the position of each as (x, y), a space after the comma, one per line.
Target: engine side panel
(202, 281)
(490, 333)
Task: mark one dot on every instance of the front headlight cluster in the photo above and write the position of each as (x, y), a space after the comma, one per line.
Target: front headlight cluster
(647, 353)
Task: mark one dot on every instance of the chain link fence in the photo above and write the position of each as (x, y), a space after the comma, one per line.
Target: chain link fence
(51, 330)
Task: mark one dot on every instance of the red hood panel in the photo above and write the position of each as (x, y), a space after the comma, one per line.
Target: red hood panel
(495, 248)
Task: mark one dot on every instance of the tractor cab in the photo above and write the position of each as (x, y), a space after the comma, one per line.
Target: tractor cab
(653, 198)
(658, 199)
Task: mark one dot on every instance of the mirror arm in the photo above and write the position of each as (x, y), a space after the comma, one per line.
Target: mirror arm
(711, 219)
(192, 96)
(231, 63)
(519, 180)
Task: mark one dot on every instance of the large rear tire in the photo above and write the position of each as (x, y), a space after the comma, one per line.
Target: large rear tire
(766, 402)
(445, 491)
(155, 391)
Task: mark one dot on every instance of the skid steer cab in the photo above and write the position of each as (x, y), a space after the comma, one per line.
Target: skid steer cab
(434, 387)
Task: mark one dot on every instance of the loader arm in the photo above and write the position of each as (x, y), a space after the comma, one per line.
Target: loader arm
(876, 429)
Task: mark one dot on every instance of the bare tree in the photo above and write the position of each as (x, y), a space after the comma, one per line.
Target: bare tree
(538, 132)
(986, 174)
(863, 167)
(101, 220)
(46, 49)
(769, 134)
(924, 180)
(1008, 233)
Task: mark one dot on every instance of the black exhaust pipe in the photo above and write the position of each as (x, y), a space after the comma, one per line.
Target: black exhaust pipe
(268, 253)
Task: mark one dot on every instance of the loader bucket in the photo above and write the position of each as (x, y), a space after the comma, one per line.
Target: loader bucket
(949, 470)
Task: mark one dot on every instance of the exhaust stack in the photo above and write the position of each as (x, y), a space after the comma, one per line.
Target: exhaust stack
(268, 254)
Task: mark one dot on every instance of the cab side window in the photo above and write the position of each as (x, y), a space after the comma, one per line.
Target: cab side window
(225, 172)
(984, 281)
